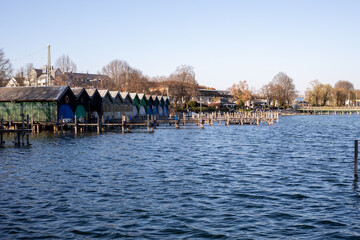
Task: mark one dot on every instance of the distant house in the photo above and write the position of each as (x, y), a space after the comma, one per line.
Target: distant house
(208, 96)
(38, 77)
(84, 79)
(259, 103)
(12, 83)
(300, 102)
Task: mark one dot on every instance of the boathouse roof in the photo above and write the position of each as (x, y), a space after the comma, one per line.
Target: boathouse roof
(116, 95)
(126, 97)
(92, 92)
(32, 94)
(78, 91)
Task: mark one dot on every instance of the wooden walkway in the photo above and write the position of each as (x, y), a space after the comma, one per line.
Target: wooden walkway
(330, 110)
(23, 129)
(19, 133)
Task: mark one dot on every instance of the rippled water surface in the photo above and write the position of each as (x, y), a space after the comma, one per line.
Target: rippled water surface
(290, 180)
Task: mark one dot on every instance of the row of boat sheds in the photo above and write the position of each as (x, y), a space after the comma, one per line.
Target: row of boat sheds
(54, 103)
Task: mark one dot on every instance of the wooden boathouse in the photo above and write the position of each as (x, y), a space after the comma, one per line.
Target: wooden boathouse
(117, 104)
(95, 104)
(107, 105)
(127, 106)
(155, 105)
(161, 105)
(42, 104)
(142, 105)
(136, 103)
(83, 102)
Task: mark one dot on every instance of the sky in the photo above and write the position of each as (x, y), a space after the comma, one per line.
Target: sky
(225, 41)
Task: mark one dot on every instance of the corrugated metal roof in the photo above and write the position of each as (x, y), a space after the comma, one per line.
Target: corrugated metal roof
(31, 94)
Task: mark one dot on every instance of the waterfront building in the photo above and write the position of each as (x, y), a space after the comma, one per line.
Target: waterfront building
(127, 107)
(117, 104)
(95, 103)
(149, 105)
(161, 105)
(136, 103)
(83, 101)
(42, 104)
(107, 105)
(142, 105)
(155, 105)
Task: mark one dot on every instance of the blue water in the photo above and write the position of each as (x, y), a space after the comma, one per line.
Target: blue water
(290, 180)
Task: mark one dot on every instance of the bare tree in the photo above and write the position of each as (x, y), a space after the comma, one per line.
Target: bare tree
(5, 69)
(267, 92)
(118, 72)
(342, 91)
(65, 64)
(241, 92)
(20, 76)
(284, 88)
(183, 84)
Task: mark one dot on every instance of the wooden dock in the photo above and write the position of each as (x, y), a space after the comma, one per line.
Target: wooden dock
(330, 110)
(126, 124)
(19, 133)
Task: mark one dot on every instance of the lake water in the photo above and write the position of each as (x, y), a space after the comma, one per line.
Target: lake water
(290, 180)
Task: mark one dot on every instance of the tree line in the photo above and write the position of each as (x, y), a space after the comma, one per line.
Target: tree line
(280, 91)
(182, 84)
(120, 76)
(320, 94)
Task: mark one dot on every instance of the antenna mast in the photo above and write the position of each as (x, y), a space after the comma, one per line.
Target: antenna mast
(49, 67)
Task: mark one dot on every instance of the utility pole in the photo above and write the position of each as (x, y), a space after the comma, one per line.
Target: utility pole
(49, 68)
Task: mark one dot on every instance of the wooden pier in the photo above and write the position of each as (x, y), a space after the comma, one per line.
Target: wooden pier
(20, 132)
(330, 110)
(126, 124)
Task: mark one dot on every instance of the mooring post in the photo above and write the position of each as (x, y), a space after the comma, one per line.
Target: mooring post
(75, 125)
(356, 159)
(9, 122)
(148, 122)
(28, 127)
(22, 129)
(55, 124)
(1, 135)
(123, 124)
(98, 126)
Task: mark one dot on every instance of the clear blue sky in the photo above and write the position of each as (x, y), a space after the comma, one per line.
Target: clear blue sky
(225, 41)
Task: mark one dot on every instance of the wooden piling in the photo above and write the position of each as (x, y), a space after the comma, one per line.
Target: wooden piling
(76, 125)
(1, 135)
(98, 125)
(28, 127)
(55, 123)
(22, 130)
(148, 122)
(123, 119)
(356, 143)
